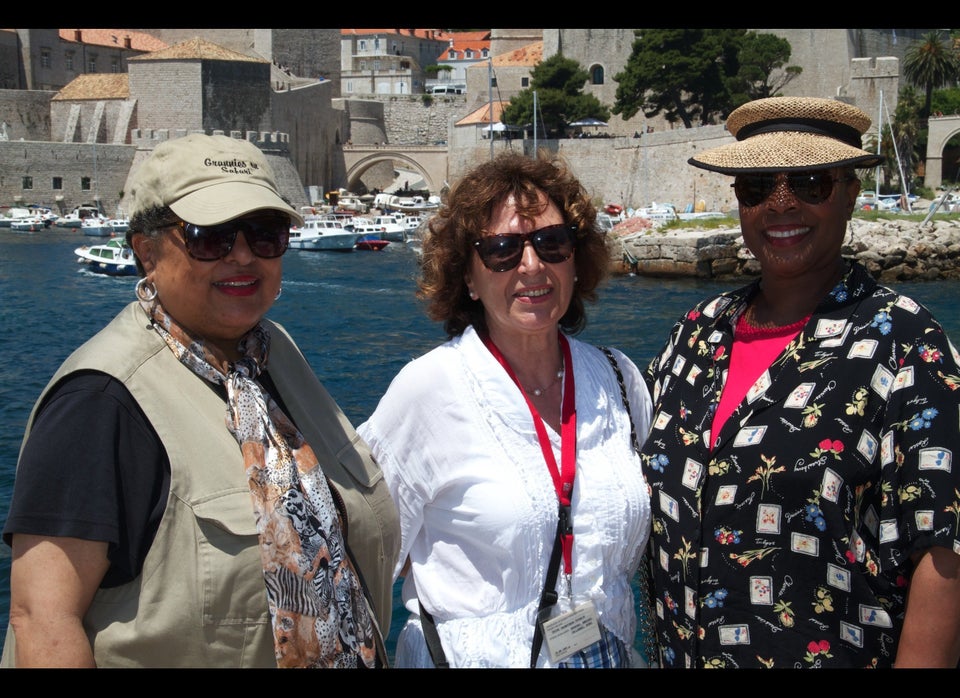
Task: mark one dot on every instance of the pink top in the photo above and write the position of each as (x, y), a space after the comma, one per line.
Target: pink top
(754, 350)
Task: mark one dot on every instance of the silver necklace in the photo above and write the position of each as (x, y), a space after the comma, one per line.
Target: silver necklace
(537, 392)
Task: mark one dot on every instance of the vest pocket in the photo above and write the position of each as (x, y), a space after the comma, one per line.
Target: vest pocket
(228, 545)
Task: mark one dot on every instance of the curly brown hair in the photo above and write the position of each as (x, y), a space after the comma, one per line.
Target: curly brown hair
(448, 244)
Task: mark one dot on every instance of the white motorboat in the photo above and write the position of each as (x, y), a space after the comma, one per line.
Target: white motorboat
(657, 213)
(119, 225)
(323, 233)
(75, 218)
(8, 214)
(379, 228)
(113, 258)
(96, 226)
(416, 205)
(27, 224)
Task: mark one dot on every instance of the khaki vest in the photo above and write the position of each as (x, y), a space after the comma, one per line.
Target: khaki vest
(200, 600)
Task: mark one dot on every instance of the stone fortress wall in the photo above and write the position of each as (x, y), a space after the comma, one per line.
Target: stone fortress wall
(633, 172)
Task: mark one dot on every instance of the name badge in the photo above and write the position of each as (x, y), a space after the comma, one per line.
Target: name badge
(571, 632)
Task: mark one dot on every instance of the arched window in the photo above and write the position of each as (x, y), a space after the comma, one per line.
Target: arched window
(596, 75)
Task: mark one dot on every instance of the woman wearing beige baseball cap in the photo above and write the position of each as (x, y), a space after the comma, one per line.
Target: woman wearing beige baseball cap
(185, 485)
(804, 427)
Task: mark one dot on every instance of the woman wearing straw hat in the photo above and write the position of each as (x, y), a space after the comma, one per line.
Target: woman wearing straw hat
(805, 506)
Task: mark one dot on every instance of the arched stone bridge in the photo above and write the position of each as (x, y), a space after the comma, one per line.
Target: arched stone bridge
(428, 160)
(940, 130)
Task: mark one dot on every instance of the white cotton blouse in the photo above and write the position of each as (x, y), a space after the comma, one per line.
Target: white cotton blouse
(478, 508)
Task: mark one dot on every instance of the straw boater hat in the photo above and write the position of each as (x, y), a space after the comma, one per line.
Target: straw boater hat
(780, 134)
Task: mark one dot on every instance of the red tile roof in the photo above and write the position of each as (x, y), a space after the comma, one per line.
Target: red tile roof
(529, 55)
(114, 37)
(482, 115)
(438, 34)
(477, 41)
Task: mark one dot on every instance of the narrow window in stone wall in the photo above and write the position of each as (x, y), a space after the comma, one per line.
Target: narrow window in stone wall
(44, 58)
(91, 64)
(524, 82)
(84, 184)
(57, 183)
(28, 182)
(115, 64)
(596, 75)
(68, 59)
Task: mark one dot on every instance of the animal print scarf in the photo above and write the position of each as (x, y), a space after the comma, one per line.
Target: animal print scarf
(318, 608)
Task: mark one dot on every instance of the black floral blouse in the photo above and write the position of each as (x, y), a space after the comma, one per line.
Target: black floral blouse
(789, 544)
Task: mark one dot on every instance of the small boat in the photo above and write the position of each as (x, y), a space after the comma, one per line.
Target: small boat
(114, 258)
(371, 244)
(119, 225)
(379, 228)
(27, 224)
(657, 213)
(322, 233)
(75, 218)
(415, 204)
(96, 226)
(8, 214)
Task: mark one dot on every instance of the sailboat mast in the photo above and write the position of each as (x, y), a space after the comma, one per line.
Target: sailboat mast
(490, 101)
(534, 123)
(879, 139)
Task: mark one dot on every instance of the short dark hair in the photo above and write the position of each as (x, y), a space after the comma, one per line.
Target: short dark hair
(448, 244)
(149, 222)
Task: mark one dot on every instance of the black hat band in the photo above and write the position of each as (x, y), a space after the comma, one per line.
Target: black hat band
(840, 132)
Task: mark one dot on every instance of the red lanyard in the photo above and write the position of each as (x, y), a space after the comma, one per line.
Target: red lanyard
(562, 477)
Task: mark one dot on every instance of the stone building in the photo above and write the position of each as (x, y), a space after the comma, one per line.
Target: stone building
(101, 125)
(296, 54)
(48, 59)
(388, 61)
(304, 117)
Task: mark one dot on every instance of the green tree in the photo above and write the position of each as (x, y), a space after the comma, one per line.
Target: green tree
(762, 58)
(929, 64)
(946, 101)
(679, 73)
(558, 82)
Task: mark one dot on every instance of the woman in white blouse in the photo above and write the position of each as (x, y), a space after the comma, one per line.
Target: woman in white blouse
(513, 441)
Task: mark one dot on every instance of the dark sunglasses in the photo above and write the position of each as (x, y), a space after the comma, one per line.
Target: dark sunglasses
(553, 244)
(810, 187)
(266, 235)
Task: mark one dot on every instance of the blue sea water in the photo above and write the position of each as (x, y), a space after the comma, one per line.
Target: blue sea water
(353, 314)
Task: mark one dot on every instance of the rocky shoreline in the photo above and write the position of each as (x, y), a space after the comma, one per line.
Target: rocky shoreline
(892, 249)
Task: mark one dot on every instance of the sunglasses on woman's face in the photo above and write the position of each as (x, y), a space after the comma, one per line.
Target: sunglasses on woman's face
(267, 236)
(553, 244)
(809, 187)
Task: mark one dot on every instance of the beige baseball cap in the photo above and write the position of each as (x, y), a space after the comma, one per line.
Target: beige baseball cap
(208, 180)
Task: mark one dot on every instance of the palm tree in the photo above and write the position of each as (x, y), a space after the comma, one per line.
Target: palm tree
(929, 64)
